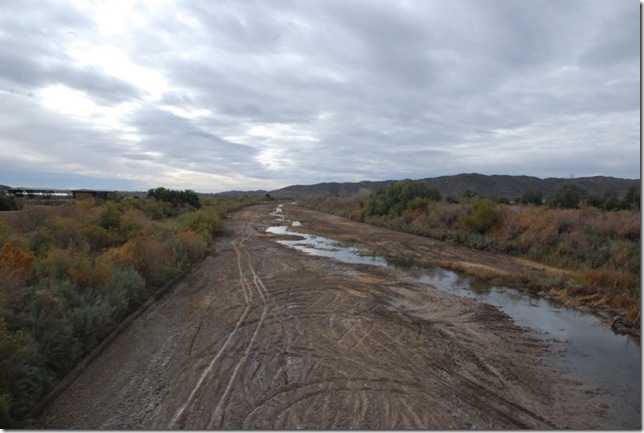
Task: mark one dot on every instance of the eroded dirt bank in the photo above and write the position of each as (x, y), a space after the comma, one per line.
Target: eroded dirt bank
(495, 268)
(262, 336)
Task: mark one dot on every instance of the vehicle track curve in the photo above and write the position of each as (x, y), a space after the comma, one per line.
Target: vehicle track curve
(261, 336)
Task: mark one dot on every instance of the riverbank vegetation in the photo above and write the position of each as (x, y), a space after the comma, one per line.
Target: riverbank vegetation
(595, 239)
(69, 274)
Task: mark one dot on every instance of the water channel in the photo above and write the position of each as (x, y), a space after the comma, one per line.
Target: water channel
(585, 350)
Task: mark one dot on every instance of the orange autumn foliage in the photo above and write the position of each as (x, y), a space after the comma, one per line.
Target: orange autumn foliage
(15, 267)
(16, 262)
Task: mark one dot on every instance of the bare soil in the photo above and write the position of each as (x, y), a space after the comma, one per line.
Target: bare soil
(261, 336)
(495, 268)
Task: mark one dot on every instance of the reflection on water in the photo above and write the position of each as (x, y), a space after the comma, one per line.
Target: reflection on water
(321, 246)
(589, 352)
(584, 349)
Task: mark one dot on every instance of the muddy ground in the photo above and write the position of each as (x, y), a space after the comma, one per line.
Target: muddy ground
(262, 336)
(494, 268)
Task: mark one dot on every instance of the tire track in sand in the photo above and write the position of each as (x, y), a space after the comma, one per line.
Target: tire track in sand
(248, 298)
(217, 417)
(291, 341)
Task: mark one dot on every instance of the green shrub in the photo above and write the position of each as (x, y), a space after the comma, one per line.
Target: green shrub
(8, 202)
(531, 197)
(128, 287)
(111, 216)
(6, 421)
(568, 196)
(70, 273)
(99, 238)
(206, 222)
(632, 199)
(481, 218)
(397, 197)
(91, 322)
(54, 333)
(176, 198)
(23, 381)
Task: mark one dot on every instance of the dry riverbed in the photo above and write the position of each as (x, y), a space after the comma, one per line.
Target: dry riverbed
(259, 335)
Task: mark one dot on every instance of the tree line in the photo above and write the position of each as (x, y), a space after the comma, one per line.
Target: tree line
(69, 274)
(177, 198)
(597, 237)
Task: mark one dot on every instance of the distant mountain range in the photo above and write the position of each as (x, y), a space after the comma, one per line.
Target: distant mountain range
(511, 187)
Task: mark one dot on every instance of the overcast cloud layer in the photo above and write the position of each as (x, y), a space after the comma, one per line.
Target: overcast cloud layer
(221, 95)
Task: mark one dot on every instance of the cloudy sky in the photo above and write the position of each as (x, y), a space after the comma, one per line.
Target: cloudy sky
(256, 94)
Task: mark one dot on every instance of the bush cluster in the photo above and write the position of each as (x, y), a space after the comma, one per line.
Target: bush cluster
(69, 274)
(401, 196)
(175, 197)
(8, 202)
(600, 241)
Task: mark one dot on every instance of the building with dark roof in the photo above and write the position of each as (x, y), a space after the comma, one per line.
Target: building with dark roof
(86, 194)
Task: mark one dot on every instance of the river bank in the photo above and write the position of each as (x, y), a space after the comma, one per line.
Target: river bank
(260, 335)
(606, 364)
(535, 278)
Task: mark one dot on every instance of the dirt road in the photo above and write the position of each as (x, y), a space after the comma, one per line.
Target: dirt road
(261, 336)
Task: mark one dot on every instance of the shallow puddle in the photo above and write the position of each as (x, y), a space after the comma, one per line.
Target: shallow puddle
(584, 349)
(321, 246)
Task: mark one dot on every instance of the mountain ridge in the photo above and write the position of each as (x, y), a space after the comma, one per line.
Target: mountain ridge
(510, 186)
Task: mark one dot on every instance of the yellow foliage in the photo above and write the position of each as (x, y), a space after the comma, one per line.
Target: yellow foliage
(122, 256)
(15, 262)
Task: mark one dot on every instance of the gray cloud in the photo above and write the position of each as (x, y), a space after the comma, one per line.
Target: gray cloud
(179, 141)
(263, 94)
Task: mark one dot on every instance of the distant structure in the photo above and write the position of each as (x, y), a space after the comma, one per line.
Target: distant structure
(49, 194)
(39, 193)
(86, 194)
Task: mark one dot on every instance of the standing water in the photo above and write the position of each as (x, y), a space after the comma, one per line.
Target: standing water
(604, 362)
(589, 352)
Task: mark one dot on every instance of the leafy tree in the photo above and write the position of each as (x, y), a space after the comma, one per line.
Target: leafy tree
(610, 201)
(499, 199)
(466, 197)
(568, 196)
(482, 217)
(15, 267)
(16, 261)
(532, 196)
(22, 380)
(91, 322)
(41, 240)
(111, 216)
(632, 198)
(98, 238)
(177, 198)
(607, 201)
(132, 285)
(206, 222)
(397, 197)
(70, 273)
(8, 202)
